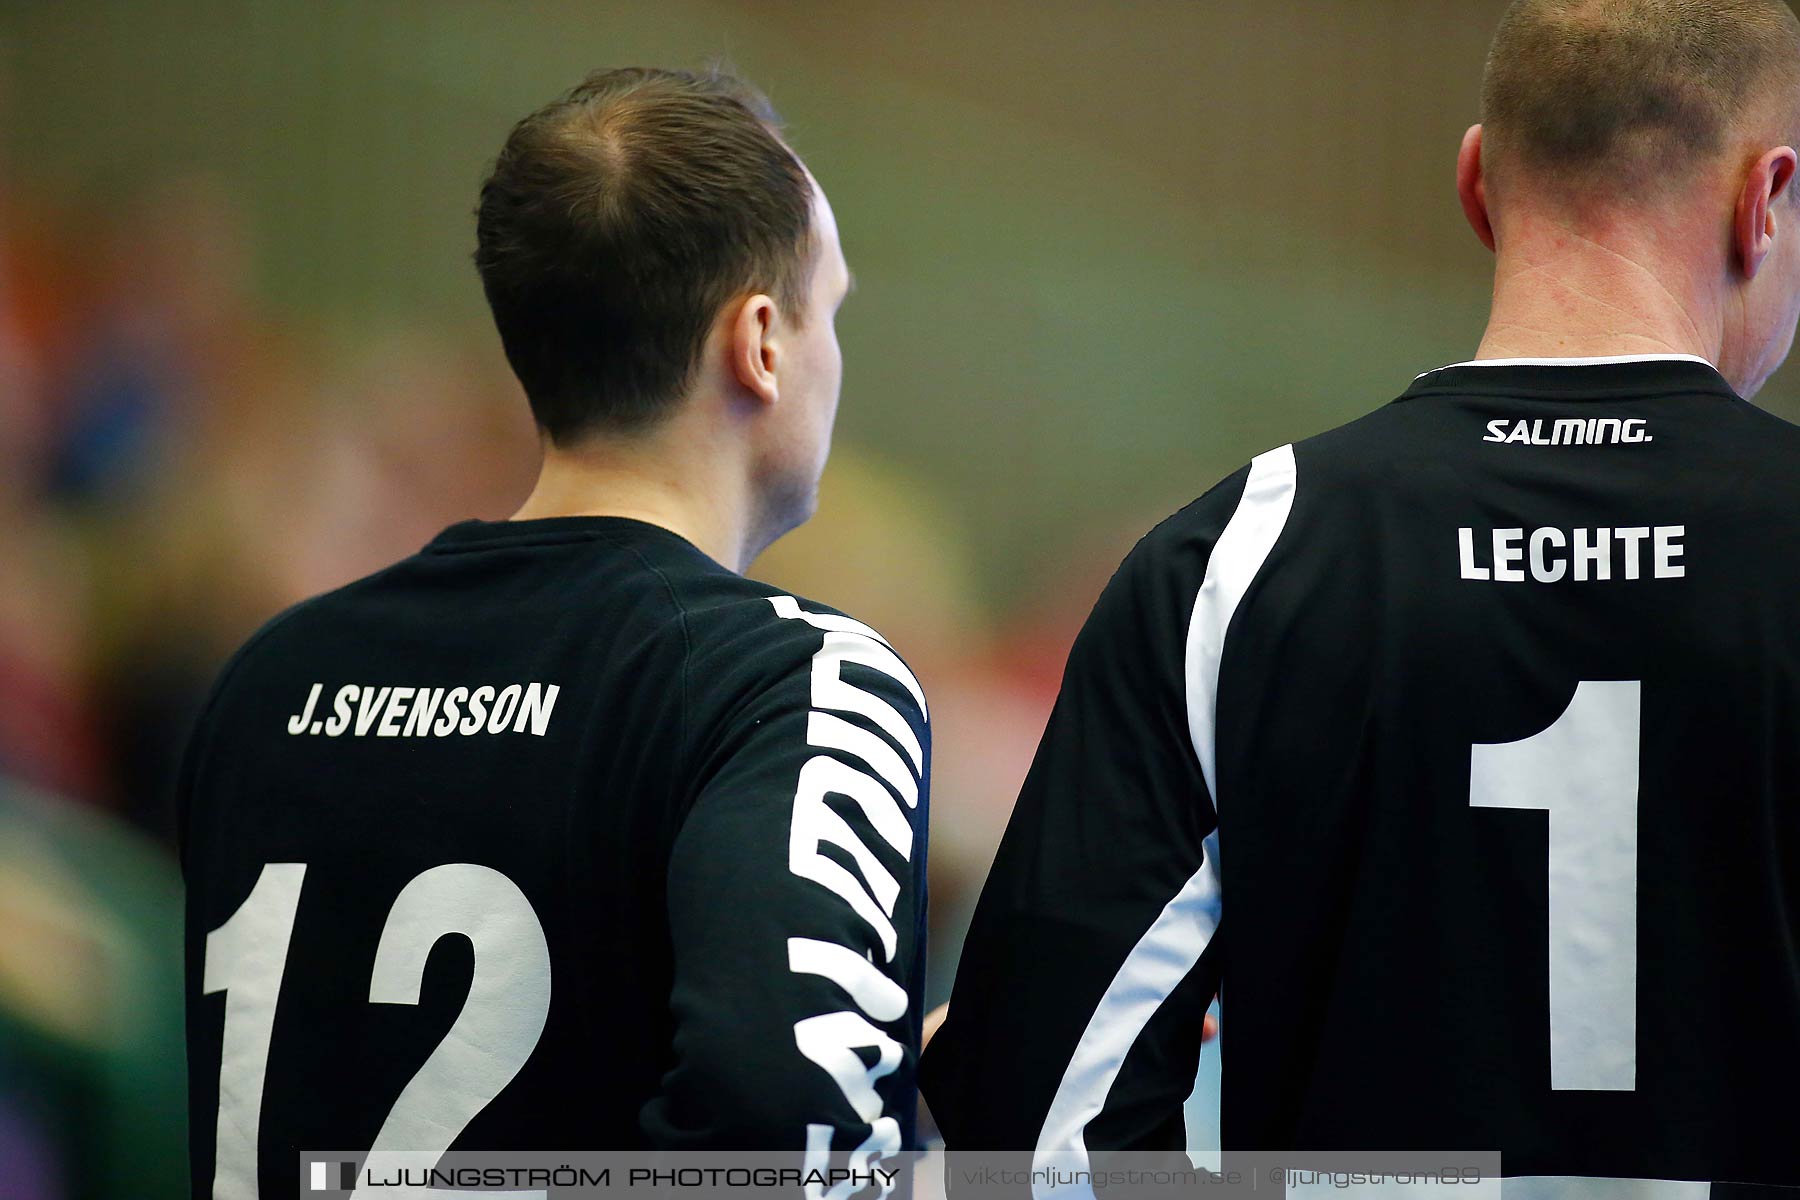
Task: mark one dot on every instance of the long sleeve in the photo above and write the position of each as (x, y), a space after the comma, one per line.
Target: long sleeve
(1076, 1016)
(796, 899)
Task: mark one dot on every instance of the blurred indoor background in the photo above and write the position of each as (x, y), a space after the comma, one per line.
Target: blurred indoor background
(1106, 252)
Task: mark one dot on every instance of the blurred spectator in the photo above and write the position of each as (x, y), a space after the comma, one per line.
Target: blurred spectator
(92, 1069)
(163, 332)
(46, 727)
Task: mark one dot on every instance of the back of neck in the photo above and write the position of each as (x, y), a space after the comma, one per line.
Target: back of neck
(1558, 294)
(608, 479)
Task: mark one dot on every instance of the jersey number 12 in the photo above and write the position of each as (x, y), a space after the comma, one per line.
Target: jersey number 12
(499, 1025)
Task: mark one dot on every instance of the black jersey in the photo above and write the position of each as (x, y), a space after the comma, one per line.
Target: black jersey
(1492, 699)
(554, 836)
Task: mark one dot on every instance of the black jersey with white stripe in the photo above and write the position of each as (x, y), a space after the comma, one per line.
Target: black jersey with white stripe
(1492, 701)
(557, 835)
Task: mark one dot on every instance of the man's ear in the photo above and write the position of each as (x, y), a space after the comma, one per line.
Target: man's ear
(1756, 219)
(1471, 188)
(751, 348)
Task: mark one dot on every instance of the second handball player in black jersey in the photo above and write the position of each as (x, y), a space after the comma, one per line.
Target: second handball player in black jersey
(1460, 746)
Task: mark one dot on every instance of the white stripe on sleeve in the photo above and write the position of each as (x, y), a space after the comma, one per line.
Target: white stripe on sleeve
(1242, 549)
(1168, 950)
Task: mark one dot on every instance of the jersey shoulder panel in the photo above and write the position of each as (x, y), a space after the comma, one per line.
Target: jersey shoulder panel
(1771, 446)
(1175, 553)
(746, 638)
(742, 625)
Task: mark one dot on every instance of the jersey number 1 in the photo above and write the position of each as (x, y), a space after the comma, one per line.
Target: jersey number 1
(1583, 769)
(500, 1022)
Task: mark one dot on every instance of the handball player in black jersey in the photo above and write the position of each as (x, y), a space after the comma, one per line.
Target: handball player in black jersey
(562, 834)
(1457, 750)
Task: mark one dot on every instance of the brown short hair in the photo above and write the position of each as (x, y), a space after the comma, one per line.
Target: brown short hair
(1631, 92)
(616, 223)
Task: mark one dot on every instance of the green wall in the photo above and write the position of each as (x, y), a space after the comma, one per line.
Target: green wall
(1105, 252)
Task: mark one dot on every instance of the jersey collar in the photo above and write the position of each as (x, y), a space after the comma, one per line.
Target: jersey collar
(1602, 377)
(1591, 361)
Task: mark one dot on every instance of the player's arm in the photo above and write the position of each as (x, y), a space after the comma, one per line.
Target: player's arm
(1077, 1015)
(796, 899)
